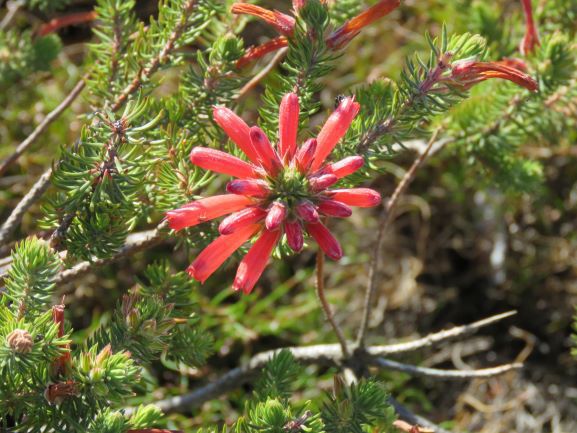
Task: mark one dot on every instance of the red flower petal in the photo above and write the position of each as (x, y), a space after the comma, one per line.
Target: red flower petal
(206, 209)
(307, 211)
(326, 240)
(531, 38)
(288, 125)
(361, 197)
(283, 23)
(266, 154)
(334, 129)
(214, 255)
(276, 215)
(221, 162)
(241, 219)
(471, 72)
(344, 167)
(294, 235)
(259, 51)
(236, 129)
(352, 27)
(248, 187)
(334, 208)
(322, 182)
(304, 156)
(252, 265)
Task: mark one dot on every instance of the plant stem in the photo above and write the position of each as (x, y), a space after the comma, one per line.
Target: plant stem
(325, 304)
(384, 221)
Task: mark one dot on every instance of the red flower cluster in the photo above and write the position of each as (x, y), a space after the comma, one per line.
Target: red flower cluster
(283, 189)
(285, 25)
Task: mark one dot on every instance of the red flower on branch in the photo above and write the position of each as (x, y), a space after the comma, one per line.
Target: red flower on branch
(531, 38)
(285, 25)
(62, 364)
(283, 190)
(468, 73)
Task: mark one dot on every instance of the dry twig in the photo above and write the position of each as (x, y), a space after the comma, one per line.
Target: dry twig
(384, 221)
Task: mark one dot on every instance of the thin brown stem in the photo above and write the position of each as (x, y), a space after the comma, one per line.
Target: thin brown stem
(50, 117)
(263, 73)
(28, 200)
(325, 304)
(384, 221)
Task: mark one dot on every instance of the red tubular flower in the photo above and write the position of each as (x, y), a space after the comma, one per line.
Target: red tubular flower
(221, 162)
(236, 129)
(323, 182)
(305, 155)
(531, 38)
(307, 211)
(288, 125)
(266, 154)
(205, 209)
(360, 197)
(352, 27)
(326, 240)
(294, 235)
(335, 209)
(344, 167)
(285, 24)
(258, 51)
(252, 265)
(334, 129)
(248, 187)
(214, 255)
(240, 219)
(467, 73)
(513, 62)
(282, 196)
(276, 216)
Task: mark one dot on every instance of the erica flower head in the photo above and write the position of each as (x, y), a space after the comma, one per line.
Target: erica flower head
(284, 190)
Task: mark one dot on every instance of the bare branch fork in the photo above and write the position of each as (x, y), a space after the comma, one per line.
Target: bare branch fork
(331, 354)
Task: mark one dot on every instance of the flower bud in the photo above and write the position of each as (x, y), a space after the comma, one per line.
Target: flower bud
(288, 125)
(307, 211)
(248, 187)
(241, 219)
(20, 341)
(322, 182)
(334, 208)
(326, 240)
(276, 215)
(294, 235)
(344, 167)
